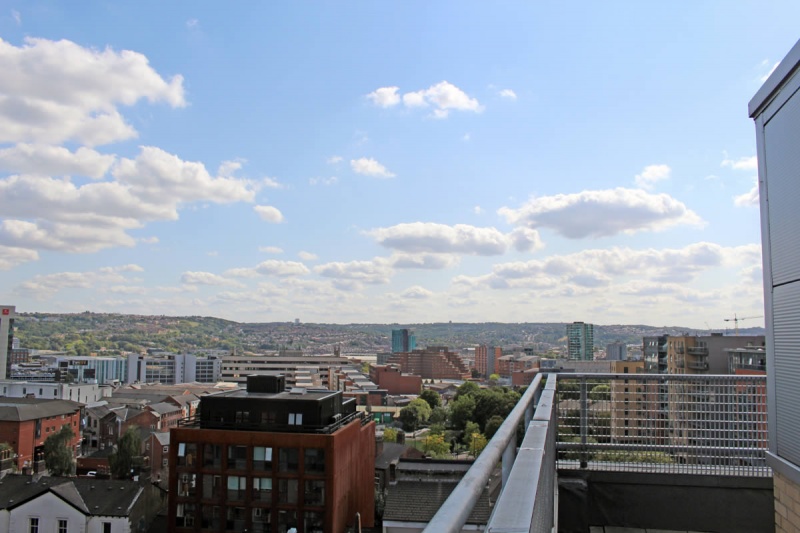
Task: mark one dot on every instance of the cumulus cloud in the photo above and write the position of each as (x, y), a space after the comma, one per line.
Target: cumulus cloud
(11, 256)
(333, 180)
(47, 285)
(430, 237)
(424, 261)
(149, 240)
(509, 94)
(416, 293)
(651, 175)
(443, 97)
(307, 256)
(373, 272)
(55, 161)
(16, 16)
(369, 167)
(334, 159)
(207, 278)
(272, 267)
(269, 213)
(748, 199)
(72, 92)
(602, 213)
(743, 163)
(385, 96)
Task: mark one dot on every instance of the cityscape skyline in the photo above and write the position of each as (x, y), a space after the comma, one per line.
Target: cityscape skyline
(379, 163)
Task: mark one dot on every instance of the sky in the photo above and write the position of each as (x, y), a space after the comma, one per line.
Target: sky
(386, 162)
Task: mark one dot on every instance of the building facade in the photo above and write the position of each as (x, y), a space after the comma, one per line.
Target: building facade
(434, 362)
(394, 381)
(7, 314)
(486, 359)
(403, 340)
(580, 341)
(616, 351)
(695, 354)
(263, 459)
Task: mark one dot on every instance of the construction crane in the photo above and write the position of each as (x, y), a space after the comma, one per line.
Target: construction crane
(737, 319)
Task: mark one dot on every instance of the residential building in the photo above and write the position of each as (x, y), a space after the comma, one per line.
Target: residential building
(38, 504)
(25, 423)
(486, 359)
(655, 354)
(507, 365)
(264, 459)
(694, 354)
(776, 111)
(78, 392)
(580, 341)
(394, 381)
(156, 454)
(629, 413)
(167, 414)
(7, 315)
(752, 360)
(403, 340)
(616, 351)
(433, 362)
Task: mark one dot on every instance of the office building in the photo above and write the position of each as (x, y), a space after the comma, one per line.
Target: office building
(319, 368)
(263, 459)
(580, 341)
(616, 351)
(403, 340)
(7, 315)
(173, 368)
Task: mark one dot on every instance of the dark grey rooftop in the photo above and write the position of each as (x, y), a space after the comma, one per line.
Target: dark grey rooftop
(418, 501)
(20, 409)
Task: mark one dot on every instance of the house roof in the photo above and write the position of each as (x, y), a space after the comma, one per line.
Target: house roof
(162, 437)
(418, 501)
(163, 408)
(126, 413)
(97, 497)
(22, 409)
(183, 399)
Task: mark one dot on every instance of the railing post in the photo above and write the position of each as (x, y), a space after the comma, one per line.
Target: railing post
(508, 459)
(584, 423)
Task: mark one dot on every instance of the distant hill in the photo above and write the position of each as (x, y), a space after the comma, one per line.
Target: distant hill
(85, 333)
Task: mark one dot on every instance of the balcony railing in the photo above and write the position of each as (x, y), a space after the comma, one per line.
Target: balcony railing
(196, 422)
(699, 351)
(681, 424)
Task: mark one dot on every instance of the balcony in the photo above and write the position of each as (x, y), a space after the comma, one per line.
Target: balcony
(697, 365)
(589, 458)
(698, 351)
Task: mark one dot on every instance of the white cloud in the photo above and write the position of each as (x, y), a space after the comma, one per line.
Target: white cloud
(385, 96)
(212, 253)
(373, 272)
(430, 237)
(55, 91)
(333, 180)
(270, 249)
(748, 199)
(16, 16)
(416, 293)
(272, 267)
(228, 168)
(11, 256)
(526, 240)
(443, 97)
(651, 175)
(149, 240)
(271, 183)
(766, 76)
(370, 167)
(207, 278)
(478, 210)
(743, 163)
(508, 93)
(192, 23)
(424, 261)
(62, 237)
(602, 213)
(334, 160)
(307, 256)
(47, 285)
(269, 213)
(55, 161)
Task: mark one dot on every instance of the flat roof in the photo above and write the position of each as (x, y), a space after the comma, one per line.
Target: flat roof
(770, 88)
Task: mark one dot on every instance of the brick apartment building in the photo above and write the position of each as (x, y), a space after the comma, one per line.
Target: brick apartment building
(433, 362)
(486, 359)
(25, 423)
(263, 459)
(391, 378)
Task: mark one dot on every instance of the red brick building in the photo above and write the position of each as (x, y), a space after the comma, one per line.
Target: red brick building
(25, 423)
(263, 459)
(390, 377)
(434, 362)
(486, 359)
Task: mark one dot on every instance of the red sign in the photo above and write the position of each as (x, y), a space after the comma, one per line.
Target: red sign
(6, 311)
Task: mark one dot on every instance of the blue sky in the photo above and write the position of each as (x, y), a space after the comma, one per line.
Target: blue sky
(385, 161)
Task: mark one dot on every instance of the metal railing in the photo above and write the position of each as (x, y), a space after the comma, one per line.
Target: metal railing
(663, 423)
(455, 511)
(196, 422)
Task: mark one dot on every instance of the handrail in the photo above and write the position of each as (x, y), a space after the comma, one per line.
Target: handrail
(455, 511)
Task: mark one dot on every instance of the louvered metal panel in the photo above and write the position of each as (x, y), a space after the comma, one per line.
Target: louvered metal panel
(786, 309)
(782, 139)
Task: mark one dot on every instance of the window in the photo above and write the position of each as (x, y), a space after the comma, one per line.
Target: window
(62, 525)
(237, 486)
(212, 486)
(187, 485)
(187, 452)
(33, 525)
(262, 458)
(314, 522)
(315, 492)
(237, 457)
(315, 460)
(165, 449)
(147, 446)
(287, 491)
(106, 527)
(262, 488)
(242, 417)
(235, 519)
(212, 455)
(288, 459)
(295, 419)
(164, 461)
(184, 515)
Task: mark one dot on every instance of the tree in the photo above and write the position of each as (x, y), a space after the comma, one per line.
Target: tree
(438, 416)
(389, 435)
(468, 388)
(436, 429)
(600, 392)
(415, 414)
(432, 397)
(492, 425)
(470, 429)
(435, 445)
(58, 456)
(127, 454)
(476, 444)
(494, 379)
(462, 410)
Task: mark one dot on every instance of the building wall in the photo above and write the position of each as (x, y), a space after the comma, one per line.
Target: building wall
(348, 477)
(7, 314)
(394, 381)
(48, 508)
(628, 407)
(434, 362)
(23, 438)
(580, 341)
(787, 504)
